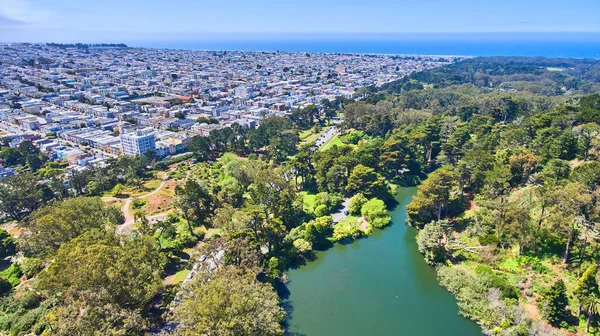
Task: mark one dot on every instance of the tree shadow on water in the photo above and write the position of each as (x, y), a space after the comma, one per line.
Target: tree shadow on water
(284, 294)
(302, 260)
(391, 204)
(287, 306)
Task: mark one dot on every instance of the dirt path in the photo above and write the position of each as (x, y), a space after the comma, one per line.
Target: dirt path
(533, 311)
(127, 226)
(164, 180)
(125, 209)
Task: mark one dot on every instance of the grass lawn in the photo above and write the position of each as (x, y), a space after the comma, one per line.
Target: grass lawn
(116, 203)
(305, 134)
(308, 136)
(349, 221)
(147, 187)
(178, 277)
(213, 232)
(333, 141)
(308, 201)
(511, 265)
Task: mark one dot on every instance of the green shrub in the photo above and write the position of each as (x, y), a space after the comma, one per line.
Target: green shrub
(117, 189)
(137, 203)
(172, 218)
(352, 137)
(13, 274)
(317, 231)
(376, 213)
(321, 210)
(301, 245)
(343, 232)
(356, 203)
(39, 328)
(187, 240)
(479, 298)
(57, 165)
(29, 300)
(535, 263)
(296, 233)
(31, 267)
(492, 280)
(274, 271)
(489, 240)
(428, 243)
(24, 323)
(326, 203)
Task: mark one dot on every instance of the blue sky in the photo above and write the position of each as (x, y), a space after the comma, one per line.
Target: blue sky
(131, 20)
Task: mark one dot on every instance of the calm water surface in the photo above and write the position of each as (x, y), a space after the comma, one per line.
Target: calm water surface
(579, 45)
(374, 286)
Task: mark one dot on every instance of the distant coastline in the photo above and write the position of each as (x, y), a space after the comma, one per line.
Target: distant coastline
(559, 45)
(552, 45)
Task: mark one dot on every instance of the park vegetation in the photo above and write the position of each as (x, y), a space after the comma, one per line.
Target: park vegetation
(508, 212)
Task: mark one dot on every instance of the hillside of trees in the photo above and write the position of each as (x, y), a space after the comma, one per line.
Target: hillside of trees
(539, 75)
(509, 211)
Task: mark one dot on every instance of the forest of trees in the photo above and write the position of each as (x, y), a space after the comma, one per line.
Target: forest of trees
(509, 210)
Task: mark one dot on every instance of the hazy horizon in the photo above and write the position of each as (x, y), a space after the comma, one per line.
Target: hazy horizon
(115, 20)
(355, 36)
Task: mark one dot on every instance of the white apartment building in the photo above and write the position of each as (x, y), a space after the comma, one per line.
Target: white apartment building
(138, 142)
(242, 92)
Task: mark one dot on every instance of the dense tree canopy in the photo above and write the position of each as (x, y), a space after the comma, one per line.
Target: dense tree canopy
(48, 228)
(104, 286)
(22, 194)
(228, 302)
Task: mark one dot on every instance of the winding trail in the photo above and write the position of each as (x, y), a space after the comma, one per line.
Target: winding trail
(127, 226)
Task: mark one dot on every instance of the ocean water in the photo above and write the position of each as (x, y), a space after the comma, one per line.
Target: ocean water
(546, 45)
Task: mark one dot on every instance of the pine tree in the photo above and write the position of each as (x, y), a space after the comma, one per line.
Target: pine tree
(555, 304)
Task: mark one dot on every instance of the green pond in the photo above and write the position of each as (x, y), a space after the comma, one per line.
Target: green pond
(378, 285)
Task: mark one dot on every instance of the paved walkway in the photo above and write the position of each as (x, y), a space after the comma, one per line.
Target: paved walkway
(341, 214)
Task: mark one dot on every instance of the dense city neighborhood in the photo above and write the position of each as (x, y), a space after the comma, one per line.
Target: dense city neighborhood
(83, 104)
